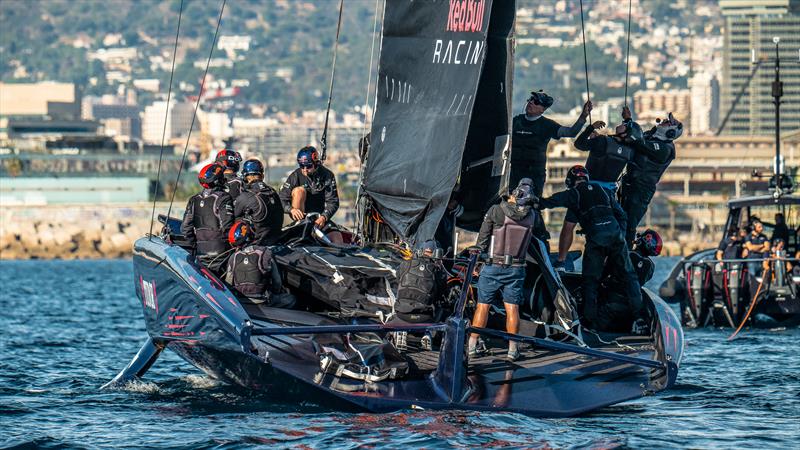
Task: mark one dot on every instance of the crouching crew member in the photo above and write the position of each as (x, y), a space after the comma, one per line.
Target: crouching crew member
(653, 156)
(615, 312)
(311, 188)
(608, 156)
(208, 217)
(603, 222)
(510, 225)
(252, 271)
(259, 204)
(230, 160)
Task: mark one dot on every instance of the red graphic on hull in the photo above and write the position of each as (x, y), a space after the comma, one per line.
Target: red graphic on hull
(465, 16)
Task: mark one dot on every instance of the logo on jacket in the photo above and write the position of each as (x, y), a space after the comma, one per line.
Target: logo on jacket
(619, 150)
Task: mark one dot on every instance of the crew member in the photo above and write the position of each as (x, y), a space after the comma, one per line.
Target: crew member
(757, 246)
(652, 157)
(311, 188)
(532, 133)
(615, 313)
(603, 221)
(781, 230)
(608, 156)
(252, 271)
(259, 204)
(505, 235)
(230, 160)
(208, 217)
(730, 247)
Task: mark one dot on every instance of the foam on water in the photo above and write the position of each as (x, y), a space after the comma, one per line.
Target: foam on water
(68, 327)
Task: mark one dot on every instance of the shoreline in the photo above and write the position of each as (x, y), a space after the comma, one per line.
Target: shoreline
(87, 231)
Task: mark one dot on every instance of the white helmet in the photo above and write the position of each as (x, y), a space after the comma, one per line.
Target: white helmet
(667, 130)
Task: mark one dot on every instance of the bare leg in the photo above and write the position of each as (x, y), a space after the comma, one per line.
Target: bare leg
(479, 321)
(299, 198)
(512, 323)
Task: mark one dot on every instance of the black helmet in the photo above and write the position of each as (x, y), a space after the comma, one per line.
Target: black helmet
(540, 98)
(229, 159)
(240, 234)
(649, 243)
(574, 174)
(252, 167)
(633, 132)
(211, 176)
(523, 193)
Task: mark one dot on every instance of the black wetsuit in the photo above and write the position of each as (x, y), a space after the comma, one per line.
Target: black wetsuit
(651, 160)
(607, 157)
(253, 273)
(233, 185)
(321, 194)
(260, 204)
(603, 221)
(206, 221)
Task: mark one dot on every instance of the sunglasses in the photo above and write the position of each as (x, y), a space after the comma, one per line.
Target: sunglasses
(306, 165)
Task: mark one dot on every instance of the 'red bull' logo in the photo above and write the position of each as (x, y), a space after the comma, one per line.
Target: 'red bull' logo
(465, 16)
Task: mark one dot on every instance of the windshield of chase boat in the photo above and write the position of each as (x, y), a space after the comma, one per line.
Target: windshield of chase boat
(442, 113)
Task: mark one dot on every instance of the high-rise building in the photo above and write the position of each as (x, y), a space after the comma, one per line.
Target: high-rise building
(704, 89)
(650, 105)
(750, 26)
(178, 120)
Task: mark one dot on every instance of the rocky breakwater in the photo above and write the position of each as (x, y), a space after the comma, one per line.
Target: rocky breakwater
(74, 231)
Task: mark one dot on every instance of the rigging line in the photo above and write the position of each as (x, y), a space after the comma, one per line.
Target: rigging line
(324, 140)
(196, 106)
(628, 53)
(166, 116)
(365, 141)
(585, 60)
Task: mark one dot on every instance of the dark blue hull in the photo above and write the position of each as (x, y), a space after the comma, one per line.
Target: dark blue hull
(190, 312)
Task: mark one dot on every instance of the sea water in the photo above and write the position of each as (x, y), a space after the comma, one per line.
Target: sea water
(67, 327)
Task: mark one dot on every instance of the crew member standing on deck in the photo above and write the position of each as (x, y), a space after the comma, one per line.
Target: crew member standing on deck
(230, 160)
(505, 235)
(311, 188)
(603, 221)
(208, 217)
(608, 156)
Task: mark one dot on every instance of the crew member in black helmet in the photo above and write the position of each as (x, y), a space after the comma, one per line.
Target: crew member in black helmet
(208, 217)
(505, 235)
(259, 204)
(532, 132)
(252, 271)
(311, 188)
(608, 156)
(653, 155)
(230, 160)
(603, 221)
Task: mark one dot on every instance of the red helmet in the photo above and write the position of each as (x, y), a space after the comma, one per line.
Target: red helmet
(240, 234)
(575, 173)
(229, 159)
(649, 243)
(211, 175)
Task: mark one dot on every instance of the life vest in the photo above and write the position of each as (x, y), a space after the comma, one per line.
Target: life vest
(645, 171)
(266, 211)
(608, 166)
(418, 287)
(594, 210)
(210, 237)
(250, 277)
(513, 237)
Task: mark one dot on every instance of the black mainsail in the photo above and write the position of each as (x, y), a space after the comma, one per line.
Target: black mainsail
(442, 112)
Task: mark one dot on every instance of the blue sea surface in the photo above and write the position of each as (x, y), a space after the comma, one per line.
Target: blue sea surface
(67, 327)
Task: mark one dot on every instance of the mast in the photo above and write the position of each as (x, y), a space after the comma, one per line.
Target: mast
(777, 93)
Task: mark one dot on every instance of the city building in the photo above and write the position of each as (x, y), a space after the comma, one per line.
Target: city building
(704, 103)
(750, 26)
(178, 121)
(44, 100)
(650, 105)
